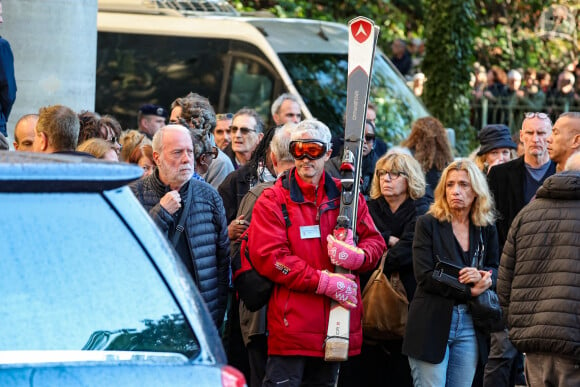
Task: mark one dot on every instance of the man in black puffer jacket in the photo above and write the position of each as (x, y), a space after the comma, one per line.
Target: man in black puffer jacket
(538, 283)
(204, 246)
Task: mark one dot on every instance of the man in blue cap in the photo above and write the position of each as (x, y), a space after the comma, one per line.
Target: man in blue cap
(150, 118)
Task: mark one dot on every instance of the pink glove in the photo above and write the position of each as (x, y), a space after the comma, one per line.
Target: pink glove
(339, 287)
(344, 253)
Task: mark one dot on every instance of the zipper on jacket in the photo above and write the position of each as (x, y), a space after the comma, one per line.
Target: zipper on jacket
(286, 324)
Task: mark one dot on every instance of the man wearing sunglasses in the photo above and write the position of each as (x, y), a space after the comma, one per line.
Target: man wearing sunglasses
(513, 185)
(247, 131)
(299, 256)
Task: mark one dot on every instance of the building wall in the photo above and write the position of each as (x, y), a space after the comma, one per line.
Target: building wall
(54, 44)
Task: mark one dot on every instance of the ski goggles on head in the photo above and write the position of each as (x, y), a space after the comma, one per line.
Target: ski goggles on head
(311, 149)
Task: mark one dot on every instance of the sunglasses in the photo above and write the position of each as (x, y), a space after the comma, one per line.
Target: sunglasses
(213, 152)
(243, 130)
(224, 116)
(541, 116)
(311, 149)
(381, 173)
(369, 137)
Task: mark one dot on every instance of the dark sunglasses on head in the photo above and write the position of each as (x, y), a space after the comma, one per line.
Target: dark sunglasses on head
(224, 116)
(311, 149)
(244, 130)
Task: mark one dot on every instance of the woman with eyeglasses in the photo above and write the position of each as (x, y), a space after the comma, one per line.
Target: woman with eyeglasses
(441, 341)
(396, 193)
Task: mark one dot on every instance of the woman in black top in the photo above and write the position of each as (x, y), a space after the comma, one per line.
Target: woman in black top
(396, 195)
(440, 339)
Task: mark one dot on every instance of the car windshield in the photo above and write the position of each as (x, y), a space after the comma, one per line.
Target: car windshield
(321, 80)
(65, 288)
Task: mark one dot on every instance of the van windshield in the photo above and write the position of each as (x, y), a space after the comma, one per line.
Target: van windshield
(321, 81)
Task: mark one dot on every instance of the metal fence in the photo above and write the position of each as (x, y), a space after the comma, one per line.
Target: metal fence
(504, 111)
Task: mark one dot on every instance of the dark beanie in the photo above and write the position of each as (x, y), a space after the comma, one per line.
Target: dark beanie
(495, 136)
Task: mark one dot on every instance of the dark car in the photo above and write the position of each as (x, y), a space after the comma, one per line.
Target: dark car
(92, 293)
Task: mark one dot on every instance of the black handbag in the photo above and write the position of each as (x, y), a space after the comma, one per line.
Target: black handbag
(485, 309)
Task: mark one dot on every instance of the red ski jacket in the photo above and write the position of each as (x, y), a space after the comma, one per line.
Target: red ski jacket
(290, 256)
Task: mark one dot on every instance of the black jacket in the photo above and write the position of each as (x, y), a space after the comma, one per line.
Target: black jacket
(431, 310)
(506, 183)
(206, 232)
(538, 284)
(235, 187)
(401, 224)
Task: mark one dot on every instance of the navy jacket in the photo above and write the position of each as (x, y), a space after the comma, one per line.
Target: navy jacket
(206, 232)
(7, 83)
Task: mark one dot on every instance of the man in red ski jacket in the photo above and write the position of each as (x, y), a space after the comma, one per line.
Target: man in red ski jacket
(291, 242)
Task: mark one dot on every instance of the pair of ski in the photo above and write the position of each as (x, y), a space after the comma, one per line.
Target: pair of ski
(362, 40)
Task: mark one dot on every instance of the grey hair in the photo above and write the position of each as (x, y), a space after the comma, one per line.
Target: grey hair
(280, 144)
(315, 129)
(280, 100)
(252, 113)
(157, 142)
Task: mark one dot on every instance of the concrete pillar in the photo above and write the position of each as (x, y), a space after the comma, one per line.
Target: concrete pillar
(55, 50)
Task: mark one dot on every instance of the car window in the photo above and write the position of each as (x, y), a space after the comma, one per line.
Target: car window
(74, 277)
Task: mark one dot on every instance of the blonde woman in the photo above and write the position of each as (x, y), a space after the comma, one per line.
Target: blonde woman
(441, 341)
(397, 199)
(101, 149)
(496, 147)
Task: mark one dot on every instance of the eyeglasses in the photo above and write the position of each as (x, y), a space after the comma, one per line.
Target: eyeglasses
(381, 173)
(244, 130)
(369, 137)
(224, 116)
(311, 149)
(213, 152)
(541, 116)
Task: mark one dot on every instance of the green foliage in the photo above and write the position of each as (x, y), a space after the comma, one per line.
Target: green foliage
(450, 24)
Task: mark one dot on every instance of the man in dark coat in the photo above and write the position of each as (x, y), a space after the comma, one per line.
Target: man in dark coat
(538, 283)
(7, 80)
(513, 185)
(203, 244)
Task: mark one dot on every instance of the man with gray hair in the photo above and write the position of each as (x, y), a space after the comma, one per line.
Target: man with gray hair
(286, 108)
(298, 251)
(200, 237)
(57, 130)
(253, 324)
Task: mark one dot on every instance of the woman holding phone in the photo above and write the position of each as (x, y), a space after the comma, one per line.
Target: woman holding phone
(440, 340)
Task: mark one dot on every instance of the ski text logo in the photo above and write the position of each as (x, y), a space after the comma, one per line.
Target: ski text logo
(361, 30)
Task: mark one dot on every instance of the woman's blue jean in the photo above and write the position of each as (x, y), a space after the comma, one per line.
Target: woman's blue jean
(458, 366)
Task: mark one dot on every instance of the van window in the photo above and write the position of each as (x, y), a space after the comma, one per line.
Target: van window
(321, 79)
(133, 69)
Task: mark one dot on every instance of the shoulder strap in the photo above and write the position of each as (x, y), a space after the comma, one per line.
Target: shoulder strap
(180, 225)
(282, 199)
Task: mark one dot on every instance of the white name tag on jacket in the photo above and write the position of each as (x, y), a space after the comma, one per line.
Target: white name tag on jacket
(310, 232)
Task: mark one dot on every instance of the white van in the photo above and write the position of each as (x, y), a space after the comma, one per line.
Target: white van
(153, 51)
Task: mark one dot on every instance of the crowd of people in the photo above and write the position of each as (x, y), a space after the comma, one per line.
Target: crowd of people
(209, 179)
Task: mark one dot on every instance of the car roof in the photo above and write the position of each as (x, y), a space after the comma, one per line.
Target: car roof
(42, 172)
